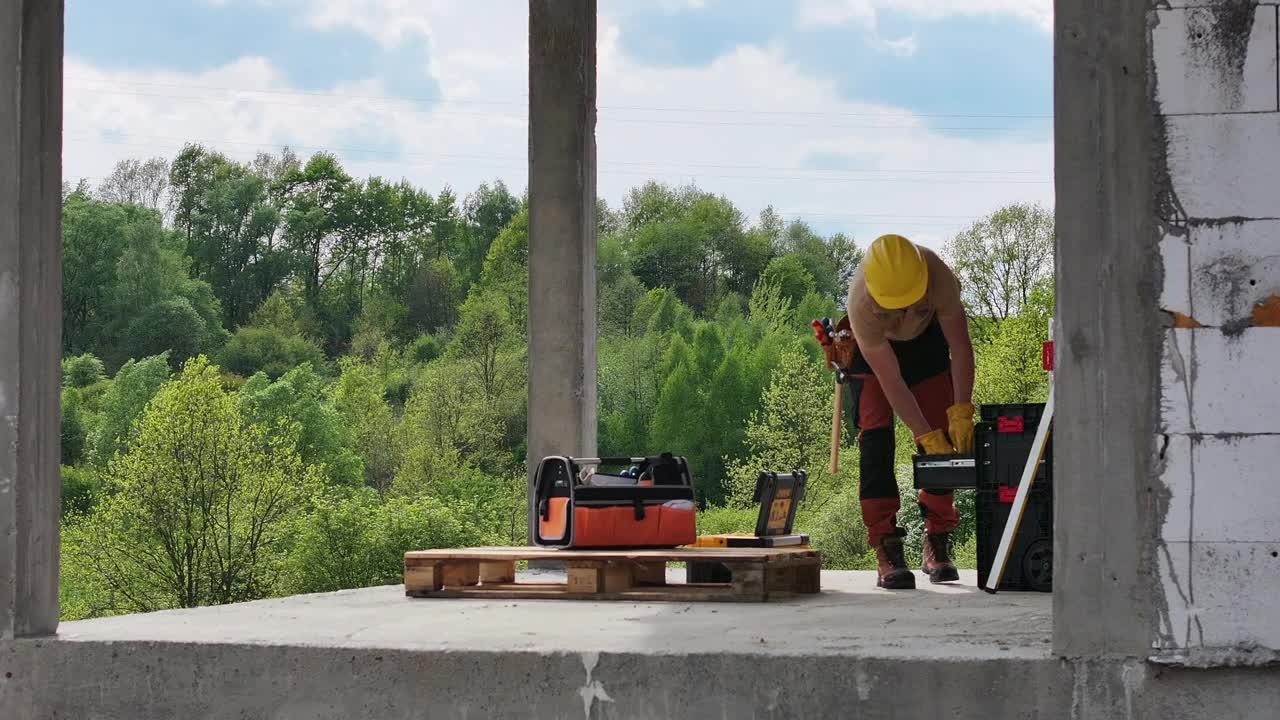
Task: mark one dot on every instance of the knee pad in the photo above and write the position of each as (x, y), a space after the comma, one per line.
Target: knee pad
(875, 463)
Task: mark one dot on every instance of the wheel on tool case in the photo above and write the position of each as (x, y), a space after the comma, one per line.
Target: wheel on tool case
(1037, 566)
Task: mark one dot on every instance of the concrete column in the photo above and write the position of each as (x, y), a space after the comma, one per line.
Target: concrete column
(1107, 330)
(562, 236)
(30, 313)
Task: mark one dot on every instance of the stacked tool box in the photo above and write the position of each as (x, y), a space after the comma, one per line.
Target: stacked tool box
(1002, 441)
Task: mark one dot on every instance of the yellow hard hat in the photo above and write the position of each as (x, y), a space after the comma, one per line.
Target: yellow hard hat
(895, 272)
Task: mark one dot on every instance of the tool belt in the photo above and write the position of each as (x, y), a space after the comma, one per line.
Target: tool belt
(920, 358)
(649, 504)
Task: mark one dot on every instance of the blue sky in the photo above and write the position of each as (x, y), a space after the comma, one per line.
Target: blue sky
(991, 65)
(856, 113)
(196, 35)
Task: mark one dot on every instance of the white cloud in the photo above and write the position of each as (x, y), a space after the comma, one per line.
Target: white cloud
(389, 21)
(817, 13)
(903, 47)
(742, 126)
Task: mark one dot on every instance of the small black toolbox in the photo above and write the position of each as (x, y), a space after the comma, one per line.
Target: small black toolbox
(1002, 442)
(779, 496)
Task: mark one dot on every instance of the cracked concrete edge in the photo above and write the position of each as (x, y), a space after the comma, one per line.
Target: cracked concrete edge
(1201, 658)
(162, 680)
(146, 681)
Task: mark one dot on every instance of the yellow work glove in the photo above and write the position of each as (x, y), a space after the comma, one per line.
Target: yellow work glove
(935, 443)
(961, 427)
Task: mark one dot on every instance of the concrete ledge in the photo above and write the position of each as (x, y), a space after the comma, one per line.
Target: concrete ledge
(853, 651)
(154, 681)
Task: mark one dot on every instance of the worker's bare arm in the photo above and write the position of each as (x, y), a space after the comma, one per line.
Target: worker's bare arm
(956, 329)
(885, 365)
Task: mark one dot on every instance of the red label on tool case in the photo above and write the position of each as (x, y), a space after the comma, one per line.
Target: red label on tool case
(1007, 494)
(1009, 424)
(1046, 356)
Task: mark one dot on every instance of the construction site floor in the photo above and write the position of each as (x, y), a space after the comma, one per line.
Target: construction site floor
(851, 615)
(853, 650)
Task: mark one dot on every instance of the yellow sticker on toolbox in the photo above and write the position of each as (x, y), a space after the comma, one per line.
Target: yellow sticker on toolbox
(778, 512)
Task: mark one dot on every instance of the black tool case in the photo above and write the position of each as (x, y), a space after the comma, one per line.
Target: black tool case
(1002, 442)
(649, 504)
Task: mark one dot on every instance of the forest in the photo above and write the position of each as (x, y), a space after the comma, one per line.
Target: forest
(278, 377)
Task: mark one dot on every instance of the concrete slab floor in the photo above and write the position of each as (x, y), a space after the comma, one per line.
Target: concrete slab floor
(850, 617)
(854, 651)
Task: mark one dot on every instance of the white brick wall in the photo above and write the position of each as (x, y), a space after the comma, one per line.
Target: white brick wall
(1223, 166)
(1219, 596)
(1231, 477)
(1213, 383)
(1218, 88)
(1192, 76)
(1217, 273)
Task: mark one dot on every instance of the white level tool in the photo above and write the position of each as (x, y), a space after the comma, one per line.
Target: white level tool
(1024, 491)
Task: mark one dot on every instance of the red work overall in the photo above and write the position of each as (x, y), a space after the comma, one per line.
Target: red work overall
(925, 363)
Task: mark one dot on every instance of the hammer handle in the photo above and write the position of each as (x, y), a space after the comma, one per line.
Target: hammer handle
(837, 411)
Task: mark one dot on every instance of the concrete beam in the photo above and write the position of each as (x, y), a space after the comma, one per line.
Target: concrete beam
(562, 235)
(1107, 330)
(30, 315)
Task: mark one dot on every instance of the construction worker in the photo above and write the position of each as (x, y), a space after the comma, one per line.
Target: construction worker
(914, 359)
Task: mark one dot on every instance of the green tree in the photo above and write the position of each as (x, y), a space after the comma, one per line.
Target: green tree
(628, 391)
(789, 275)
(123, 402)
(272, 343)
(135, 182)
(358, 398)
(230, 222)
(296, 406)
(425, 349)
(487, 211)
(171, 326)
(655, 203)
(490, 343)
(92, 243)
(318, 216)
(82, 371)
(80, 487)
(447, 416)
(351, 539)
(1002, 258)
(1009, 368)
(123, 272)
(74, 433)
(793, 428)
(196, 509)
(433, 297)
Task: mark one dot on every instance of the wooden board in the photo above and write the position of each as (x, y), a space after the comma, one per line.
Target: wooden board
(756, 574)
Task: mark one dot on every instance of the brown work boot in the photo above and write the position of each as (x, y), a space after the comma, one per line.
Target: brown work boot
(936, 558)
(893, 571)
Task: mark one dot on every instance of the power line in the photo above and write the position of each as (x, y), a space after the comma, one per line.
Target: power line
(640, 121)
(433, 159)
(413, 99)
(816, 213)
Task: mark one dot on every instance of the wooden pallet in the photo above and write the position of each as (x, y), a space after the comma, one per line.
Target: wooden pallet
(757, 574)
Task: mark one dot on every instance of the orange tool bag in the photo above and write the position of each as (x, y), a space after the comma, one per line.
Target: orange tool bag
(649, 504)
